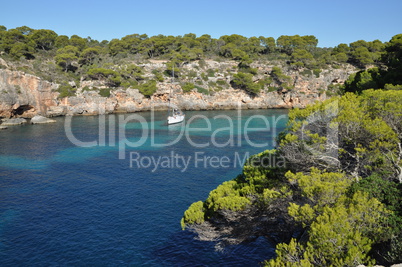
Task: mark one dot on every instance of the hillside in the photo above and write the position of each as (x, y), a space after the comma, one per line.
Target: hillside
(50, 74)
(335, 198)
(26, 95)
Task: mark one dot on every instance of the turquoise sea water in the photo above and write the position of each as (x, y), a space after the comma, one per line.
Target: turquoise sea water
(117, 198)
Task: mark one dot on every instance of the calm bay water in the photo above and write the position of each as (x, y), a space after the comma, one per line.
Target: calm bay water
(112, 204)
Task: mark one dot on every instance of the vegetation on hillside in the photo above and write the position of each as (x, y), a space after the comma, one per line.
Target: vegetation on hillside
(336, 201)
(115, 63)
(336, 197)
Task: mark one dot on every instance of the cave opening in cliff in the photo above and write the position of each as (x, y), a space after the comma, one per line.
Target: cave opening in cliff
(21, 110)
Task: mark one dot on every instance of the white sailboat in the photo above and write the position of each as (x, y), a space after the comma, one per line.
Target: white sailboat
(175, 115)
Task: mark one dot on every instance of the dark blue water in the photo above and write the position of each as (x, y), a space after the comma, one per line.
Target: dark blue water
(109, 204)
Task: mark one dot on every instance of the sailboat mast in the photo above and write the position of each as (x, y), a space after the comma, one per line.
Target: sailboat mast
(170, 94)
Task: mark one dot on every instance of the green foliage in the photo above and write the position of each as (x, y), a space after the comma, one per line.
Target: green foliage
(301, 58)
(272, 89)
(227, 196)
(192, 74)
(289, 44)
(66, 56)
(111, 77)
(19, 50)
(321, 188)
(362, 56)
(193, 215)
(233, 203)
(341, 216)
(190, 54)
(335, 202)
(89, 54)
(66, 90)
(390, 194)
(284, 80)
(393, 60)
(341, 234)
(301, 51)
(334, 90)
(221, 83)
(392, 87)
(17, 43)
(393, 250)
(367, 133)
(44, 39)
(245, 81)
(341, 57)
(78, 42)
(131, 72)
(116, 46)
(317, 72)
(172, 68)
(204, 76)
(158, 75)
(210, 73)
(306, 72)
(61, 41)
(187, 87)
(268, 43)
(148, 88)
(203, 90)
(364, 53)
(259, 177)
(343, 160)
(105, 92)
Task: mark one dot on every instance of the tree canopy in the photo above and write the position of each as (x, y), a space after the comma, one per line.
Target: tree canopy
(336, 199)
(75, 56)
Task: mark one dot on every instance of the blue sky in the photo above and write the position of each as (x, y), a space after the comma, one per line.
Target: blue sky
(332, 22)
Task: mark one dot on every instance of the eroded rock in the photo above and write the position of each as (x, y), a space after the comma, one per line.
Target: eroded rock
(41, 120)
(24, 95)
(14, 121)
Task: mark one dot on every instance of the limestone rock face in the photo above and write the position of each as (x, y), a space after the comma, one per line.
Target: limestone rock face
(41, 120)
(24, 95)
(130, 100)
(88, 103)
(12, 122)
(55, 111)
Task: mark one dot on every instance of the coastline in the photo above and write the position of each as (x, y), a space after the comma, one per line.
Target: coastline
(25, 95)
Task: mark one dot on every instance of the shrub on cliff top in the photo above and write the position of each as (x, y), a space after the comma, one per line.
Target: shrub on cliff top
(66, 90)
(187, 87)
(111, 77)
(148, 88)
(245, 81)
(105, 92)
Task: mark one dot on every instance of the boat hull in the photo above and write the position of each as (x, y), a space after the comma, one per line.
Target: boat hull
(175, 119)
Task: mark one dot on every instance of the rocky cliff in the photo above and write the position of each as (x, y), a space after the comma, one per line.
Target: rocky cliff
(25, 95)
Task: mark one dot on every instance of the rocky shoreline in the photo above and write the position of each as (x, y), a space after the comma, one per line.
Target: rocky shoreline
(24, 96)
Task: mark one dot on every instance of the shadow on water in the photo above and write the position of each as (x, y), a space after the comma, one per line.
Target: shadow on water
(183, 249)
